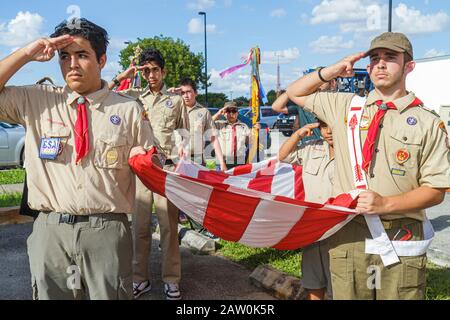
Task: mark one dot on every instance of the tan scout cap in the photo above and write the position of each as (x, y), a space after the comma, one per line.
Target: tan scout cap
(395, 41)
(230, 105)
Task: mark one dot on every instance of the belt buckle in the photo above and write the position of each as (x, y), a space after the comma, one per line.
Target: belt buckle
(68, 219)
(387, 225)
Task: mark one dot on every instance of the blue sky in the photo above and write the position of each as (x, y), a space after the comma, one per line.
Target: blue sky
(303, 33)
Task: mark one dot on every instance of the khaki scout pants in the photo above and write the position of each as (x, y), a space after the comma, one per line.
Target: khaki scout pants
(87, 260)
(167, 215)
(357, 275)
(316, 266)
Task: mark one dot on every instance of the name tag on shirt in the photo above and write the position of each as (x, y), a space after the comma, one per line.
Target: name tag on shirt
(49, 149)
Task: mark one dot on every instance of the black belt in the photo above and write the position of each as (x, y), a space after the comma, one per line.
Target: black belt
(71, 219)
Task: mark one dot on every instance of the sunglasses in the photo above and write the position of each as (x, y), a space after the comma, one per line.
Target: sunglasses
(232, 111)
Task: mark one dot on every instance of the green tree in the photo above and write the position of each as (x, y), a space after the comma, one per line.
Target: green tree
(242, 101)
(216, 100)
(180, 61)
(271, 96)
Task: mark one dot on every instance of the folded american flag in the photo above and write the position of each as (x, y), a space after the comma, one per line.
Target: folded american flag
(258, 205)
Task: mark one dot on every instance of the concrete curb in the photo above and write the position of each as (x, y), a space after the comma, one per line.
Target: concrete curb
(11, 188)
(279, 284)
(195, 241)
(11, 216)
(438, 257)
(190, 239)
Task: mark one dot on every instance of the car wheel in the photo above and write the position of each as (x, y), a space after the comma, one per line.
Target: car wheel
(22, 157)
(287, 133)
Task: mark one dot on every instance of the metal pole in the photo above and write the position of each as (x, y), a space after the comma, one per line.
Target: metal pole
(390, 16)
(206, 61)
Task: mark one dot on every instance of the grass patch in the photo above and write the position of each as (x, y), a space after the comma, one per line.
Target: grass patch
(286, 261)
(438, 278)
(13, 176)
(10, 199)
(438, 282)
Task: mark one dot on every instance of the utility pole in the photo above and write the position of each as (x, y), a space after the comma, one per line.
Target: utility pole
(278, 55)
(206, 61)
(390, 16)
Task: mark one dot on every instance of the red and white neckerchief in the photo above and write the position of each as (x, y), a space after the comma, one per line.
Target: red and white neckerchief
(388, 250)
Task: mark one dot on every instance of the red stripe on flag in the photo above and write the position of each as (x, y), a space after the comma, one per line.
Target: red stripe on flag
(153, 177)
(212, 176)
(264, 178)
(244, 169)
(229, 214)
(310, 228)
(299, 188)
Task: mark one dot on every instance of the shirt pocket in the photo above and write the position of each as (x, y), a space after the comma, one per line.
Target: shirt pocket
(111, 152)
(170, 117)
(401, 141)
(65, 150)
(312, 166)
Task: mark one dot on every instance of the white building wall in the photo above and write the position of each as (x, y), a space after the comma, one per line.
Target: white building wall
(430, 82)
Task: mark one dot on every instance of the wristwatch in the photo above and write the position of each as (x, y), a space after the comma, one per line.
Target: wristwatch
(116, 82)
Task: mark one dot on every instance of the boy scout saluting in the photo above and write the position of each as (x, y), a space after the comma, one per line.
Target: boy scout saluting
(78, 142)
(234, 135)
(317, 159)
(165, 113)
(405, 158)
(200, 122)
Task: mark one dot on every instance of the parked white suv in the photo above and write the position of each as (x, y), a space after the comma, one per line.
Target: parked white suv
(267, 115)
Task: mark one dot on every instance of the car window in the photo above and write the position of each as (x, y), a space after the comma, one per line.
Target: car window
(7, 125)
(269, 113)
(213, 110)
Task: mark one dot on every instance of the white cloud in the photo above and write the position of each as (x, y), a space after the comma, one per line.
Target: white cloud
(278, 13)
(434, 53)
(228, 3)
(197, 26)
(111, 69)
(329, 11)
(239, 81)
(368, 16)
(285, 56)
(24, 28)
(201, 4)
(328, 44)
(116, 44)
(410, 20)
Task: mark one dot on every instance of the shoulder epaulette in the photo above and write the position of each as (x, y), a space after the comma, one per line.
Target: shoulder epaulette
(126, 96)
(430, 110)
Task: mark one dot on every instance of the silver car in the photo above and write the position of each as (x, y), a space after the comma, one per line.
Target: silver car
(267, 115)
(12, 142)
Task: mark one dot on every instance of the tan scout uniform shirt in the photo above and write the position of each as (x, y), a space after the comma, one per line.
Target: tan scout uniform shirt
(415, 129)
(166, 113)
(103, 182)
(225, 132)
(318, 170)
(201, 124)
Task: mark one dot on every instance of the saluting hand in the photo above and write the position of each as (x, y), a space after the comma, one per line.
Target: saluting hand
(343, 68)
(130, 73)
(306, 131)
(174, 90)
(44, 49)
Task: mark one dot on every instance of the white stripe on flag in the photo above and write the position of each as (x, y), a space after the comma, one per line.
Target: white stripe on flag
(271, 223)
(189, 169)
(189, 196)
(240, 181)
(283, 181)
